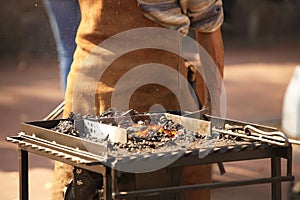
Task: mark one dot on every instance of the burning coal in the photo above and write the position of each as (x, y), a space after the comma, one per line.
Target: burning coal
(146, 135)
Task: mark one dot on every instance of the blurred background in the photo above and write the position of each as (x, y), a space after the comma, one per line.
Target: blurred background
(262, 50)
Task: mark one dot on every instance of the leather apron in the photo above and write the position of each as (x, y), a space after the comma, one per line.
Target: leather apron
(102, 19)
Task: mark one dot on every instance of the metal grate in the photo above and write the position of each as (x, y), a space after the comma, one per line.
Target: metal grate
(38, 138)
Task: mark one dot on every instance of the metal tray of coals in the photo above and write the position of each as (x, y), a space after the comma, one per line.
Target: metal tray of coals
(43, 130)
(41, 133)
(103, 149)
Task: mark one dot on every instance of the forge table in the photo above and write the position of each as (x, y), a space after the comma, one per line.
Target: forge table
(254, 150)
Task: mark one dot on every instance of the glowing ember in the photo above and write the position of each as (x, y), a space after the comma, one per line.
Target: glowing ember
(145, 134)
(143, 130)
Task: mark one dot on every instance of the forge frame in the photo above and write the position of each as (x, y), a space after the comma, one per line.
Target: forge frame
(86, 160)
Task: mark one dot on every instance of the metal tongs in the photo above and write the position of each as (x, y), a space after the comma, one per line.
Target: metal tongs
(253, 133)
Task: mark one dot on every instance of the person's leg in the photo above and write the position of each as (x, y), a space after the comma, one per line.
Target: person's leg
(64, 16)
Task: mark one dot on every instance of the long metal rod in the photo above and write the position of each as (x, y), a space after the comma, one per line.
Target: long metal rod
(107, 184)
(56, 112)
(289, 162)
(292, 141)
(23, 175)
(276, 173)
(202, 186)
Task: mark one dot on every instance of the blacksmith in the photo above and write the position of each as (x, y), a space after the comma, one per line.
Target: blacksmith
(102, 19)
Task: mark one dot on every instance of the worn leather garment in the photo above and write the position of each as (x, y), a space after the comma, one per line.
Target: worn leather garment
(102, 19)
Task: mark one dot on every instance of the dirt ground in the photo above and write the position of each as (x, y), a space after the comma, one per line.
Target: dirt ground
(256, 77)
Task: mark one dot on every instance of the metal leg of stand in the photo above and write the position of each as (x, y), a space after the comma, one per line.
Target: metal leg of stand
(276, 172)
(107, 187)
(23, 175)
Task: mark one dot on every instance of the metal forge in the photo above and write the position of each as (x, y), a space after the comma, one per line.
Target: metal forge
(95, 167)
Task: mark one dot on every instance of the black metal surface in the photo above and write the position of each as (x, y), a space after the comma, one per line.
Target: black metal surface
(23, 174)
(276, 172)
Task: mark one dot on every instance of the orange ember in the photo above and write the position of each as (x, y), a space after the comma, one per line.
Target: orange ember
(145, 130)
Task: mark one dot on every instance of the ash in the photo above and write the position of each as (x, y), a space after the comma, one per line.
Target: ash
(145, 136)
(162, 135)
(148, 136)
(67, 126)
(114, 113)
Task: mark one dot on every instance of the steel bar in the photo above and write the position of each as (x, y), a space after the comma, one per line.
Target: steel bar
(23, 175)
(293, 141)
(289, 161)
(276, 172)
(107, 184)
(56, 112)
(122, 195)
(221, 168)
(228, 156)
(115, 176)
